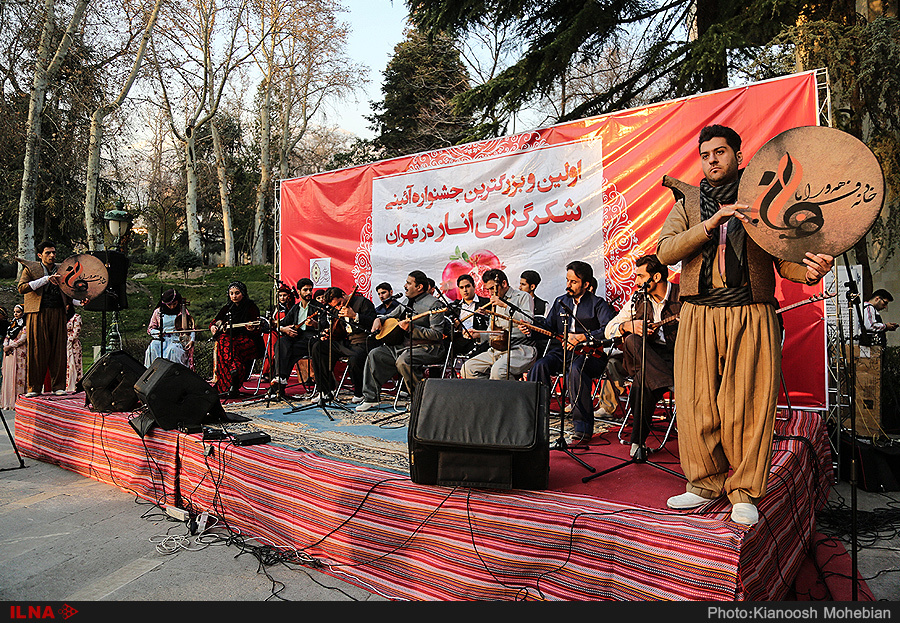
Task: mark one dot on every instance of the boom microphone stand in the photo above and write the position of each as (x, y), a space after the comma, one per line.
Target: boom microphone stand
(640, 455)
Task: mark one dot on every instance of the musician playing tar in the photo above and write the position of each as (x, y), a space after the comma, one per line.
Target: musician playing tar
(239, 342)
(582, 316)
(511, 352)
(297, 330)
(466, 317)
(657, 304)
(728, 353)
(421, 323)
(345, 337)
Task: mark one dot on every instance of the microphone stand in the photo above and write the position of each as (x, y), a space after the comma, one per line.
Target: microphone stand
(640, 455)
(333, 318)
(409, 312)
(853, 298)
(561, 440)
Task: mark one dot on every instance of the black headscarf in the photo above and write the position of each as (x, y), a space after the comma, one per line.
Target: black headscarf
(167, 297)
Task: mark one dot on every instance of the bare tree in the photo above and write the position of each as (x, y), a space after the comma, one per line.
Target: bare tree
(91, 216)
(303, 62)
(203, 42)
(48, 62)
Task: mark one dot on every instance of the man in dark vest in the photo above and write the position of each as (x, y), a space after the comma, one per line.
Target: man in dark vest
(728, 353)
(875, 329)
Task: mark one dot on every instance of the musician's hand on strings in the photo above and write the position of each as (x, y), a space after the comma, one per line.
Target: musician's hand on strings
(376, 325)
(634, 326)
(817, 266)
(404, 324)
(574, 340)
(526, 331)
(347, 312)
(290, 331)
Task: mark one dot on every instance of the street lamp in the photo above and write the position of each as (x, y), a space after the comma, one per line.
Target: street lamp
(118, 221)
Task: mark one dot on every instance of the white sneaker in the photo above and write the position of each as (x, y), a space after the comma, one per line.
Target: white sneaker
(31, 394)
(357, 399)
(686, 500)
(365, 405)
(320, 397)
(60, 392)
(744, 513)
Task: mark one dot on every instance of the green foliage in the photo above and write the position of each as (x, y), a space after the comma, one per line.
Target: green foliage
(420, 82)
(186, 260)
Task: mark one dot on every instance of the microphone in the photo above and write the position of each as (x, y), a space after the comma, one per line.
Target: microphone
(398, 296)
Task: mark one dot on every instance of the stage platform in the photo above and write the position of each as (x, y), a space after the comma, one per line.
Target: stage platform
(336, 489)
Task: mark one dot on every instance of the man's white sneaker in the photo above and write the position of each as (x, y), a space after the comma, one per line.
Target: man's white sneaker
(357, 399)
(60, 392)
(686, 500)
(365, 405)
(31, 394)
(744, 513)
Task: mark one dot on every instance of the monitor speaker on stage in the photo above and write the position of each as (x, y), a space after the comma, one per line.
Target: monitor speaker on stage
(114, 298)
(176, 397)
(484, 433)
(109, 383)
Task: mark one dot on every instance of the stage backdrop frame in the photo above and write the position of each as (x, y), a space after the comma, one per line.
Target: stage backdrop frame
(590, 188)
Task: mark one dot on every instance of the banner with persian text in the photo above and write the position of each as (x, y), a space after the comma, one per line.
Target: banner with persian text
(587, 190)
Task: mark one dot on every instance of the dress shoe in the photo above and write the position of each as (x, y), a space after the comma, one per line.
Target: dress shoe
(744, 513)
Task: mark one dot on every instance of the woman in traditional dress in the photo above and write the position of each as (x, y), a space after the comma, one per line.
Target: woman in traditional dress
(236, 329)
(15, 355)
(74, 363)
(171, 327)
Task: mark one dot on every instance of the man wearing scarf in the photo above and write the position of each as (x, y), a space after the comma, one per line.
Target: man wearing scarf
(45, 310)
(238, 340)
(728, 352)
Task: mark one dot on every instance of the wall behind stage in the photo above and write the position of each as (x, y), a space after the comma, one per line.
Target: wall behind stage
(586, 190)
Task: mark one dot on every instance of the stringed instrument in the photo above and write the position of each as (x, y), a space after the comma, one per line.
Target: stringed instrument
(581, 349)
(251, 324)
(390, 332)
(812, 299)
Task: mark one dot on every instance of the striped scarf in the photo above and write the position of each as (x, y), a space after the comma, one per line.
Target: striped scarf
(735, 292)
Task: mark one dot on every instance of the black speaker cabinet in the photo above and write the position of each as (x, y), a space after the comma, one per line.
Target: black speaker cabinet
(481, 433)
(176, 397)
(877, 466)
(109, 383)
(114, 297)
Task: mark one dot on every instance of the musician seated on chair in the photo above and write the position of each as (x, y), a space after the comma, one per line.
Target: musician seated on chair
(346, 335)
(170, 327)
(466, 317)
(412, 337)
(577, 319)
(646, 327)
(386, 295)
(286, 298)
(511, 352)
(296, 331)
(239, 342)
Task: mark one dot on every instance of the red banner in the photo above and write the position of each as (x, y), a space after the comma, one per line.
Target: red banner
(587, 190)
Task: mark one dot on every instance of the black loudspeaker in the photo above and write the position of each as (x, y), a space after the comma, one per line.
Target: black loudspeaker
(109, 383)
(482, 433)
(176, 397)
(114, 298)
(877, 466)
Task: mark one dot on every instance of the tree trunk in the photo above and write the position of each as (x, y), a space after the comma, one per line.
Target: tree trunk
(190, 200)
(265, 176)
(92, 219)
(221, 173)
(44, 73)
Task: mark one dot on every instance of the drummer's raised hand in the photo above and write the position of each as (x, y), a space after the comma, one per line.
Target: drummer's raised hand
(817, 266)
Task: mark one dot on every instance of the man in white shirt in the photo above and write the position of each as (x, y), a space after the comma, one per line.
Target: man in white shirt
(652, 314)
(876, 329)
(506, 358)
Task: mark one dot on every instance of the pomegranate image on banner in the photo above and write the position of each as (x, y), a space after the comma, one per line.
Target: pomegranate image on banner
(475, 264)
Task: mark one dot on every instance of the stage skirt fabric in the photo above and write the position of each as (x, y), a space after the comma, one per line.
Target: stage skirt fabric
(407, 541)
